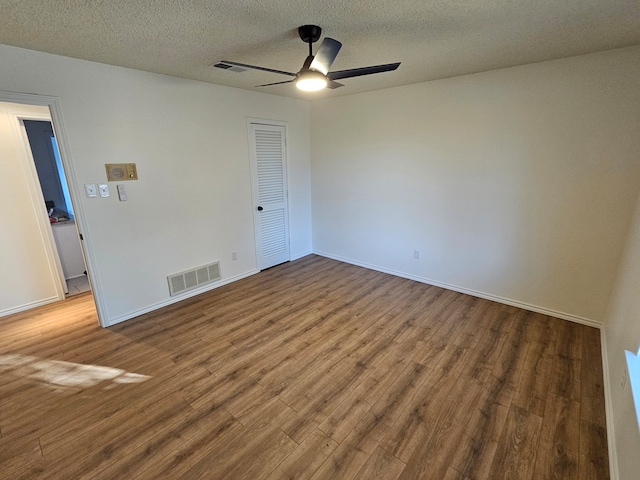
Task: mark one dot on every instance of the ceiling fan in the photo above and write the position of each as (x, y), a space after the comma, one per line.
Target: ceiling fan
(314, 74)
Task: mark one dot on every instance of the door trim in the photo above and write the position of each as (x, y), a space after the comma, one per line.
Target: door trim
(67, 165)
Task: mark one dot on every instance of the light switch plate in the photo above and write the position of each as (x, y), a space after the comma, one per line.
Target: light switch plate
(91, 190)
(103, 188)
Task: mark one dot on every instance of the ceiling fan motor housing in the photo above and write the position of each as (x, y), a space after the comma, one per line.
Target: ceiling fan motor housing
(309, 33)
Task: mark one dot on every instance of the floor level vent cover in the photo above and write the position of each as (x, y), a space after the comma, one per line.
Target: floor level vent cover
(196, 277)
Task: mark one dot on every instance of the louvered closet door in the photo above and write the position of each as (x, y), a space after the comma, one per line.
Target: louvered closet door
(269, 178)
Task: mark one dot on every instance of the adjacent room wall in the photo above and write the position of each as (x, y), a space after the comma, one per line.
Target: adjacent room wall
(622, 332)
(192, 203)
(517, 184)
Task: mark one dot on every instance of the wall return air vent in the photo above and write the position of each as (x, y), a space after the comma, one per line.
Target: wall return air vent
(196, 277)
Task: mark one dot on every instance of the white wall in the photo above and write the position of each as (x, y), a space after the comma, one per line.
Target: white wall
(27, 274)
(517, 184)
(192, 203)
(622, 332)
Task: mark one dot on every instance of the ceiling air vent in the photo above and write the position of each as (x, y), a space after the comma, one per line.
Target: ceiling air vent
(195, 277)
(231, 68)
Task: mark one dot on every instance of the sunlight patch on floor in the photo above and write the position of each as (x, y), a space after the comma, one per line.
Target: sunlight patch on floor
(59, 373)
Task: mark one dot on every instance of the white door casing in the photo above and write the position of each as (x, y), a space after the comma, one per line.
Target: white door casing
(269, 190)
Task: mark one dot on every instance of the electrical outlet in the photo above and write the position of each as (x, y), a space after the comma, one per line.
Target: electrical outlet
(234, 256)
(625, 379)
(416, 254)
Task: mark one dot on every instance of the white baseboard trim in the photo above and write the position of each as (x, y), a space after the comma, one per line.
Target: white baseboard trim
(487, 296)
(76, 276)
(611, 439)
(30, 305)
(179, 298)
(300, 255)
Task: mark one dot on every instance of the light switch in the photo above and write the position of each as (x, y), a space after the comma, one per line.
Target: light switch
(91, 190)
(103, 188)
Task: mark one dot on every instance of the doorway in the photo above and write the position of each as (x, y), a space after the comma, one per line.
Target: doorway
(32, 272)
(57, 199)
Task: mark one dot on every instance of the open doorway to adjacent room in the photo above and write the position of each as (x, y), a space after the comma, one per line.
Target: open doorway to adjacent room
(43, 259)
(57, 199)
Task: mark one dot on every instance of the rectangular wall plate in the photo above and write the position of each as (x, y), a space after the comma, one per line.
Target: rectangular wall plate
(122, 193)
(121, 171)
(91, 190)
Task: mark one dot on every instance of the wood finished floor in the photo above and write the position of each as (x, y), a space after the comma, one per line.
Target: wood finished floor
(314, 369)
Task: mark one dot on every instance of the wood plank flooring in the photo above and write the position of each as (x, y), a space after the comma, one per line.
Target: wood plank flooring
(314, 369)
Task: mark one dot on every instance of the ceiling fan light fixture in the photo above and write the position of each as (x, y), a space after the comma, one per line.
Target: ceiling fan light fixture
(316, 73)
(311, 81)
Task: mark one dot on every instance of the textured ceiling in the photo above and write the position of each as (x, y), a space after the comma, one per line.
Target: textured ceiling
(432, 38)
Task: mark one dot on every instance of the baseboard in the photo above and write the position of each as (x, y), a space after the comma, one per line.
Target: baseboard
(30, 305)
(179, 298)
(300, 255)
(487, 296)
(76, 276)
(608, 404)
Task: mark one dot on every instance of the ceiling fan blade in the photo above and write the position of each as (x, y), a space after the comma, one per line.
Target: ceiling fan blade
(275, 83)
(331, 84)
(357, 72)
(258, 68)
(326, 54)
